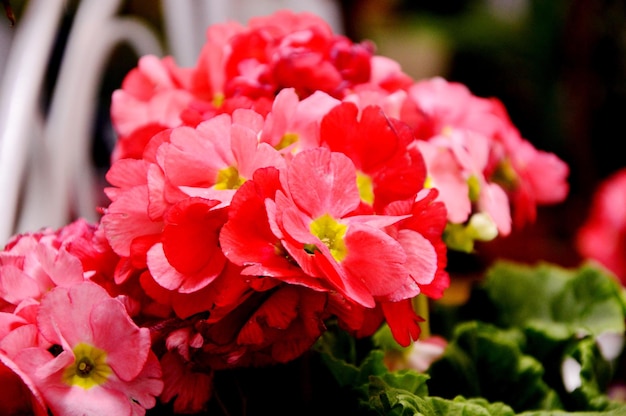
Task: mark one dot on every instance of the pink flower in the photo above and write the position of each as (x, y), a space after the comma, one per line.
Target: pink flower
(418, 356)
(178, 194)
(456, 165)
(33, 264)
(531, 177)
(508, 177)
(293, 124)
(214, 159)
(313, 214)
(104, 362)
(152, 97)
(156, 91)
(19, 394)
(602, 237)
(290, 50)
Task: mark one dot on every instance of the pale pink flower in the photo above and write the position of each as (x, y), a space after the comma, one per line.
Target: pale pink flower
(104, 364)
(31, 265)
(214, 159)
(418, 356)
(528, 177)
(19, 394)
(293, 124)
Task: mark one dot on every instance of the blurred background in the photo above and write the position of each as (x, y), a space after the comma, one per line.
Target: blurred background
(558, 66)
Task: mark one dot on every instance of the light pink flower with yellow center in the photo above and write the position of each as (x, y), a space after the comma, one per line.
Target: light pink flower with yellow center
(293, 124)
(100, 362)
(214, 159)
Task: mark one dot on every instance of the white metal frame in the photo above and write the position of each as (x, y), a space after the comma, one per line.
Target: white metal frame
(45, 170)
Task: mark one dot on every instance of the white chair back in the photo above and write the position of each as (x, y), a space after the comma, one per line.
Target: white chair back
(46, 174)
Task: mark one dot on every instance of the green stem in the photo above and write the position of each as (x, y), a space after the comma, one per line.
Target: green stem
(421, 306)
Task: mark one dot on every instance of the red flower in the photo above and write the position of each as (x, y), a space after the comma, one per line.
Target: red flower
(299, 227)
(602, 237)
(289, 50)
(387, 170)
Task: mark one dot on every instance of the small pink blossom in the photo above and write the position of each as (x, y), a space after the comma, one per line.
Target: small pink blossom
(31, 265)
(105, 364)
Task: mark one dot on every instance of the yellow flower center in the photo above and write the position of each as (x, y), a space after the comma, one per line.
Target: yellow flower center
(331, 233)
(366, 188)
(287, 140)
(474, 188)
(218, 99)
(228, 178)
(505, 175)
(428, 182)
(89, 368)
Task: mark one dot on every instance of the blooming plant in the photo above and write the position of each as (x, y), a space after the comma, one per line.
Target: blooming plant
(292, 198)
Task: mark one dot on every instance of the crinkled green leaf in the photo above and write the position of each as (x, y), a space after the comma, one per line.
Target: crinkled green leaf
(555, 301)
(507, 358)
(461, 406)
(593, 377)
(389, 400)
(485, 361)
(619, 410)
(532, 319)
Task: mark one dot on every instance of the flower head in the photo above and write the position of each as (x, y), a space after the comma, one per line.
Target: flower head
(102, 362)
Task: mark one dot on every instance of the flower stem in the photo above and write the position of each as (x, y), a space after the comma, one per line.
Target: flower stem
(421, 306)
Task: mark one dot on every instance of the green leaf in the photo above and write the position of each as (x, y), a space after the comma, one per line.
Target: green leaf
(593, 377)
(485, 361)
(557, 302)
(531, 320)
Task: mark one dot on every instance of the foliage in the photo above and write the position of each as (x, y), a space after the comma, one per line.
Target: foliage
(506, 356)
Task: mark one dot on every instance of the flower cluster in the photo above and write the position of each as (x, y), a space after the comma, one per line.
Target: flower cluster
(290, 178)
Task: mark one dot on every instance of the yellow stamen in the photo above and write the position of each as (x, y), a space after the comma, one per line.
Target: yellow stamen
(366, 188)
(331, 233)
(287, 140)
(89, 368)
(218, 100)
(474, 188)
(228, 178)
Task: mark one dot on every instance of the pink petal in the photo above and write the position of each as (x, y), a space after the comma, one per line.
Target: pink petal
(66, 400)
(378, 261)
(15, 285)
(18, 395)
(495, 202)
(64, 312)
(421, 256)
(125, 344)
(63, 268)
(322, 182)
(127, 218)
